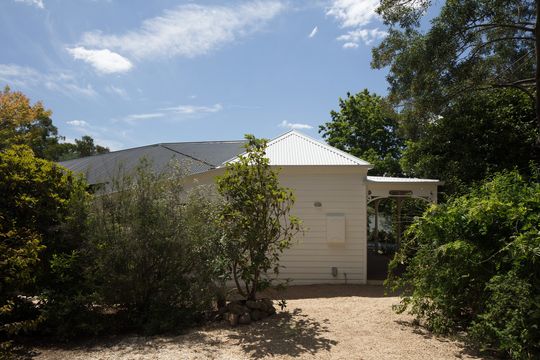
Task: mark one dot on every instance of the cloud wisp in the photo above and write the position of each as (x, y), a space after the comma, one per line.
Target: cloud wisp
(27, 77)
(174, 113)
(37, 3)
(103, 61)
(294, 126)
(186, 31)
(77, 123)
(194, 109)
(367, 36)
(356, 16)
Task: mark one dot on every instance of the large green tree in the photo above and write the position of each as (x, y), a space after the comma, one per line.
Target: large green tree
(474, 136)
(22, 123)
(256, 221)
(366, 126)
(470, 46)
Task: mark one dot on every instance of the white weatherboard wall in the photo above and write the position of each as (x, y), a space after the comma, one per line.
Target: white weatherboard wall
(340, 190)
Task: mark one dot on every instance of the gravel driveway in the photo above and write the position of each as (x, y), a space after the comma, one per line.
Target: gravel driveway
(320, 322)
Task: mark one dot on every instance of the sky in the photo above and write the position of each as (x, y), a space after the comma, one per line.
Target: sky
(137, 72)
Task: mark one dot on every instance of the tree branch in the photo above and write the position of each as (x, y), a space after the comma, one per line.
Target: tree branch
(488, 26)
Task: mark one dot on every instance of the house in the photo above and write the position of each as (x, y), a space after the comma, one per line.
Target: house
(332, 190)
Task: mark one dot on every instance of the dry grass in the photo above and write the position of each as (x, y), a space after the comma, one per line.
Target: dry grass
(321, 322)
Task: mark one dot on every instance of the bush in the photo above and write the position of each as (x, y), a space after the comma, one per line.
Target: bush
(473, 264)
(256, 221)
(152, 259)
(37, 208)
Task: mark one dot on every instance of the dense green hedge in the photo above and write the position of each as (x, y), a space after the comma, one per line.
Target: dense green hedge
(473, 264)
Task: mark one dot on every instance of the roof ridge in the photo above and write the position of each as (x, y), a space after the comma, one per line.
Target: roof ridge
(162, 144)
(335, 150)
(187, 155)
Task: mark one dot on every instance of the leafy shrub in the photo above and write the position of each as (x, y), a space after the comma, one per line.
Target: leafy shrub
(255, 218)
(152, 259)
(37, 205)
(474, 264)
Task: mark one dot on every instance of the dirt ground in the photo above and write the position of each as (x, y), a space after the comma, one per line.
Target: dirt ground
(320, 322)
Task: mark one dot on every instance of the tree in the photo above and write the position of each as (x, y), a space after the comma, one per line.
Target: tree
(83, 147)
(475, 136)
(472, 45)
(36, 199)
(255, 219)
(366, 126)
(24, 124)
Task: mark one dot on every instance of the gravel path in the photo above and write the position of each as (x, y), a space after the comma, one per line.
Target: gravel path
(321, 322)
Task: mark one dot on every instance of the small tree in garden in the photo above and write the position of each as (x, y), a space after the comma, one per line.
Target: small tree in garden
(255, 218)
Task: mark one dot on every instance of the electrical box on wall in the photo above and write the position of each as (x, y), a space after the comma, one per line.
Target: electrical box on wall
(335, 228)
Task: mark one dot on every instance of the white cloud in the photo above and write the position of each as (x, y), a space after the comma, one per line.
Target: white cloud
(350, 45)
(28, 77)
(194, 109)
(356, 15)
(295, 126)
(144, 116)
(353, 13)
(188, 30)
(313, 32)
(104, 61)
(368, 36)
(36, 3)
(174, 113)
(78, 123)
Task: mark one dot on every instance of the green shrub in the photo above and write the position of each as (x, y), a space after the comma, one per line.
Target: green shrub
(152, 260)
(36, 211)
(256, 221)
(473, 264)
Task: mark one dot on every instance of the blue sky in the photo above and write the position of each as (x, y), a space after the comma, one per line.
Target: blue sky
(131, 73)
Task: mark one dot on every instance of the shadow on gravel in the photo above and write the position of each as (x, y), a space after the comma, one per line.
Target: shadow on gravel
(328, 291)
(287, 333)
(466, 349)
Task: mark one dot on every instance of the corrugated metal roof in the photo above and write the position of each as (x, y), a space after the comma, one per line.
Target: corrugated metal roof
(198, 157)
(388, 179)
(294, 148)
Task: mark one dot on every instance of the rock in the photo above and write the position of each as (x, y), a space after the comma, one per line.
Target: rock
(244, 319)
(258, 315)
(253, 304)
(266, 303)
(237, 308)
(233, 319)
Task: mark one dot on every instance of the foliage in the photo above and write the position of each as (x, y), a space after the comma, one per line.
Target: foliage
(366, 126)
(83, 147)
(152, 241)
(473, 264)
(471, 45)
(255, 218)
(24, 124)
(36, 199)
(488, 132)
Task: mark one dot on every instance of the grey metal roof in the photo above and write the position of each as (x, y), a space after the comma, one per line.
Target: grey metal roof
(198, 157)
